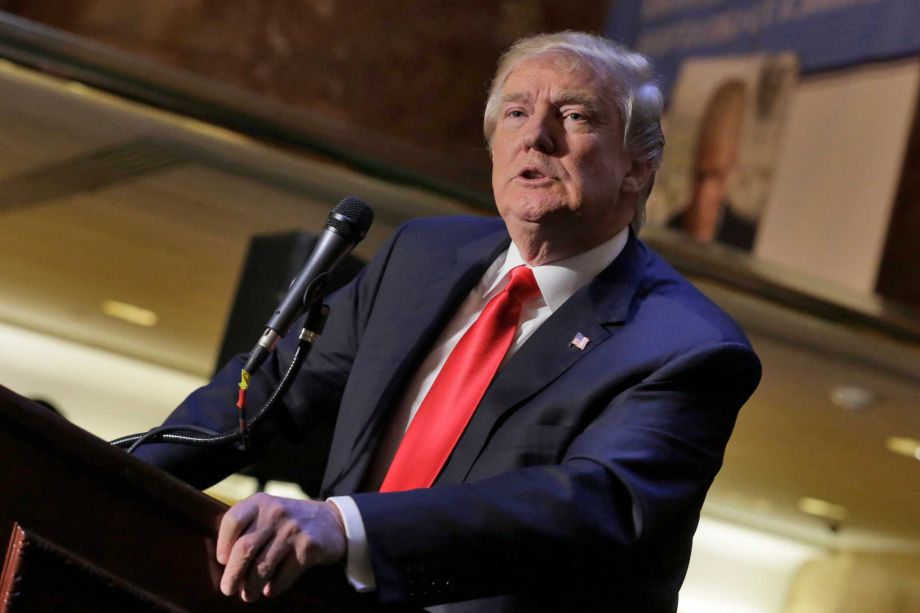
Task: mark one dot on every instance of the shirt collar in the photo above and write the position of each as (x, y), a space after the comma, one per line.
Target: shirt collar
(560, 279)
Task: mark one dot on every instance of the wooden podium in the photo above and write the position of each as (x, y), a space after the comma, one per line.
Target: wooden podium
(93, 529)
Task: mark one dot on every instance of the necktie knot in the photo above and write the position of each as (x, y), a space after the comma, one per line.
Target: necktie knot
(523, 286)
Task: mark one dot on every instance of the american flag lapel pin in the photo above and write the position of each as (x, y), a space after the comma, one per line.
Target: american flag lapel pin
(580, 341)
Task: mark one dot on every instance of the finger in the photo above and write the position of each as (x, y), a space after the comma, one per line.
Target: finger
(266, 562)
(285, 576)
(232, 524)
(244, 550)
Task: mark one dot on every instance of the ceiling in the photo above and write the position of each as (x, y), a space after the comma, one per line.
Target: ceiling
(102, 199)
(105, 199)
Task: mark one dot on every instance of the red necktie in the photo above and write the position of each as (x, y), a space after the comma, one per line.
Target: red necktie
(458, 388)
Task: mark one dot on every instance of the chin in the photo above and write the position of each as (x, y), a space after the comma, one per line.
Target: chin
(533, 210)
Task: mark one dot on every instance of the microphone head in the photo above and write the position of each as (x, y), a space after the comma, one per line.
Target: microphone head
(352, 217)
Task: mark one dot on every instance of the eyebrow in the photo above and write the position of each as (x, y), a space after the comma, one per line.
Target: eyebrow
(590, 102)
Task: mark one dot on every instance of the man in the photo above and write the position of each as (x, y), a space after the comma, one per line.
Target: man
(709, 215)
(568, 466)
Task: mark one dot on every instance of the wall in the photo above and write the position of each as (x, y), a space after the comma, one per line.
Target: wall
(417, 70)
(838, 172)
(857, 583)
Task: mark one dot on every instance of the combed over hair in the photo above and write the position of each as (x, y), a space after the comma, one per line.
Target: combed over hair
(629, 76)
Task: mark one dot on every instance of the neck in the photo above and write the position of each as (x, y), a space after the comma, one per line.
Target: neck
(537, 248)
(537, 251)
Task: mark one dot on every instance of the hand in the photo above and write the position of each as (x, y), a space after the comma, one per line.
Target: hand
(265, 543)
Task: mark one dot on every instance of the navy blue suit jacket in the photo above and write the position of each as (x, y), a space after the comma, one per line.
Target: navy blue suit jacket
(577, 484)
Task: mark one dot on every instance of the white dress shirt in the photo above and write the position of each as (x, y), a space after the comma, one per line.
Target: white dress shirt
(557, 282)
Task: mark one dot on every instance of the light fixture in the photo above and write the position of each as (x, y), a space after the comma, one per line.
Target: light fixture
(904, 446)
(852, 397)
(129, 312)
(822, 508)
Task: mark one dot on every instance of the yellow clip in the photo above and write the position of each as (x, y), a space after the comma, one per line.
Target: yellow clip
(244, 380)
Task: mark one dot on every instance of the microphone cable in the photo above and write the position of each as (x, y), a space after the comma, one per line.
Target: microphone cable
(197, 436)
(346, 226)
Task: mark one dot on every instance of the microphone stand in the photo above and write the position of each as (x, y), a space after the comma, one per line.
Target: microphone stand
(203, 437)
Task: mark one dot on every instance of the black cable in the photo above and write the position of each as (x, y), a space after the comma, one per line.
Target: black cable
(163, 430)
(210, 438)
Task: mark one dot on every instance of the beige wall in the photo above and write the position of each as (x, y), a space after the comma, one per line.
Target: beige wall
(838, 171)
(857, 583)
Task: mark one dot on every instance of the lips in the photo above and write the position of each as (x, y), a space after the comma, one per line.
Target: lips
(533, 174)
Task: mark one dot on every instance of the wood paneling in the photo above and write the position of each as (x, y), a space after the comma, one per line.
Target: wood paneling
(411, 69)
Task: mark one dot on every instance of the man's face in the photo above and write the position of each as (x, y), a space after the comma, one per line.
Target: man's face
(558, 162)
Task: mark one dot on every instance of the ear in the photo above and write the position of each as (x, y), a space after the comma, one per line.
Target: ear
(638, 176)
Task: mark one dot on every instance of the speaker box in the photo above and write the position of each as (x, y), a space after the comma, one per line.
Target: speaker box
(272, 262)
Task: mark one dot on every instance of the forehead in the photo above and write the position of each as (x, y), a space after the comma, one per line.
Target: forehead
(553, 74)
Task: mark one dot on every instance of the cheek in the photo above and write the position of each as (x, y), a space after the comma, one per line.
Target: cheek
(498, 170)
(502, 161)
(581, 176)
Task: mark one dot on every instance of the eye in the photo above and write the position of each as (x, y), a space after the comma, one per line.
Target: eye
(575, 116)
(514, 113)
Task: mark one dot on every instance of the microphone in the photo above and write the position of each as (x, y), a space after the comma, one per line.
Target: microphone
(346, 226)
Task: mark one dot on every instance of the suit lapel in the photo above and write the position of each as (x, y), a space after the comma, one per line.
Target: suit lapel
(603, 303)
(397, 350)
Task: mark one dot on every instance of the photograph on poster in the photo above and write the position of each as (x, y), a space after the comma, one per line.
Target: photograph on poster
(724, 130)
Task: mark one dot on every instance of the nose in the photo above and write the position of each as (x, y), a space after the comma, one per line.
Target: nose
(538, 133)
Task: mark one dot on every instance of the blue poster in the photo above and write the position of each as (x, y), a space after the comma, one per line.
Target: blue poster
(825, 34)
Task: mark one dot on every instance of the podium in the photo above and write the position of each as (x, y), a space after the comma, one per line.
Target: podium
(91, 528)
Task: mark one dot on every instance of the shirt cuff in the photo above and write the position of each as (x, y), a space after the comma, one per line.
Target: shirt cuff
(358, 569)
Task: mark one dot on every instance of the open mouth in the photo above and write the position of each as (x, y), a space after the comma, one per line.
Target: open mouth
(532, 174)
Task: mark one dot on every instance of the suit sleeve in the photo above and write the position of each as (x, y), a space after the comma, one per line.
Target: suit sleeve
(314, 396)
(620, 508)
